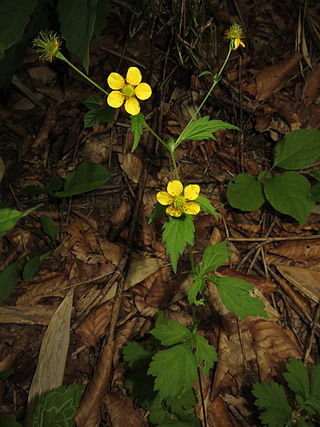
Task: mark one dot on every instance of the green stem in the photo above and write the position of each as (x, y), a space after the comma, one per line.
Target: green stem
(174, 164)
(216, 80)
(63, 58)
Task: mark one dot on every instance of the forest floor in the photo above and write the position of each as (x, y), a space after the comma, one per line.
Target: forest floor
(268, 89)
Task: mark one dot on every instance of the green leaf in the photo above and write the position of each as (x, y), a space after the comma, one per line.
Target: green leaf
(315, 193)
(158, 413)
(134, 353)
(214, 256)
(14, 17)
(7, 421)
(175, 370)
(86, 177)
(272, 398)
(234, 294)
(315, 382)
(93, 102)
(75, 14)
(206, 206)
(205, 73)
(197, 287)
(298, 149)
(245, 192)
(49, 227)
(204, 128)
(31, 267)
(10, 217)
(103, 8)
(315, 174)
(177, 233)
(54, 184)
(179, 404)
(137, 125)
(297, 378)
(157, 211)
(94, 117)
(58, 407)
(8, 280)
(169, 331)
(289, 193)
(205, 354)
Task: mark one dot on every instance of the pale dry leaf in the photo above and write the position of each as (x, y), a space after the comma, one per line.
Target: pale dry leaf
(132, 166)
(307, 281)
(27, 315)
(53, 354)
(48, 284)
(111, 251)
(301, 250)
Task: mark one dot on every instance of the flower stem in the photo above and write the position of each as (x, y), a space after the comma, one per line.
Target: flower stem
(63, 58)
(174, 164)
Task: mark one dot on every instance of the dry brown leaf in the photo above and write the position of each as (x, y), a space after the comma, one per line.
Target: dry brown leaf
(132, 166)
(34, 315)
(305, 280)
(121, 215)
(122, 412)
(270, 78)
(312, 89)
(218, 414)
(52, 356)
(301, 250)
(111, 251)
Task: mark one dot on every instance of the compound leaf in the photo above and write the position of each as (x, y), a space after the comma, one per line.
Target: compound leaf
(204, 128)
(289, 193)
(245, 192)
(298, 149)
(272, 398)
(177, 233)
(214, 256)
(297, 378)
(169, 331)
(234, 294)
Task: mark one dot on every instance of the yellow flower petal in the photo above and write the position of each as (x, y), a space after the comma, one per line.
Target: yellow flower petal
(143, 91)
(171, 210)
(132, 106)
(175, 188)
(238, 42)
(115, 81)
(191, 208)
(133, 76)
(191, 192)
(115, 99)
(164, 198)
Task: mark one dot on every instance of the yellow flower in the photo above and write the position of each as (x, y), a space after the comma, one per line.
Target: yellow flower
(47, 45)
(128, 90)
(235, 34)
(178, 198)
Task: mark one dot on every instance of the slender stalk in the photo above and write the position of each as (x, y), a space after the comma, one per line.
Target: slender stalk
(174, 164)
(202, 398)
(63, 58)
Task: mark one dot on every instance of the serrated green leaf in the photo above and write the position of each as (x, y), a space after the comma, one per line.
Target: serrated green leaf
(96, 116)
(214, 256)
(86, 177)
(157, 211)
(93, 102)
(49, 227)
(206, 206)
(289, 193)
(177, 233)
(298, 149)
(8, 280)
(169, 331)
(10, 217)
(7, 421)
(75, 14)
(31, 267)
(197, 287)
(175, 370)
(272, 398)
(158, 413)
(297, 378)
(234, 294)
(205, 354)
(58, 407)
(203, 128)
(245, 192)
(137, 125)
(179, 404)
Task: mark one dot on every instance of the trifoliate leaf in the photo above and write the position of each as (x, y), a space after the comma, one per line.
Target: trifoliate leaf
(137, 125)
(214, 256)
(289, 193)
(58, 407)
(245, 192)
(86, 177)
(169, 331)
(272, 399)
(177, 233)
(175, 370)
(298, 149)
(204, 128)
(197, 287)
(205, 355)
(206, 206)
(297, 378)
(157, 211)
(234, 294)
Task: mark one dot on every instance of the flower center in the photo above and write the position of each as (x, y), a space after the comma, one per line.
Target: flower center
(179, 202)
(128, 90)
